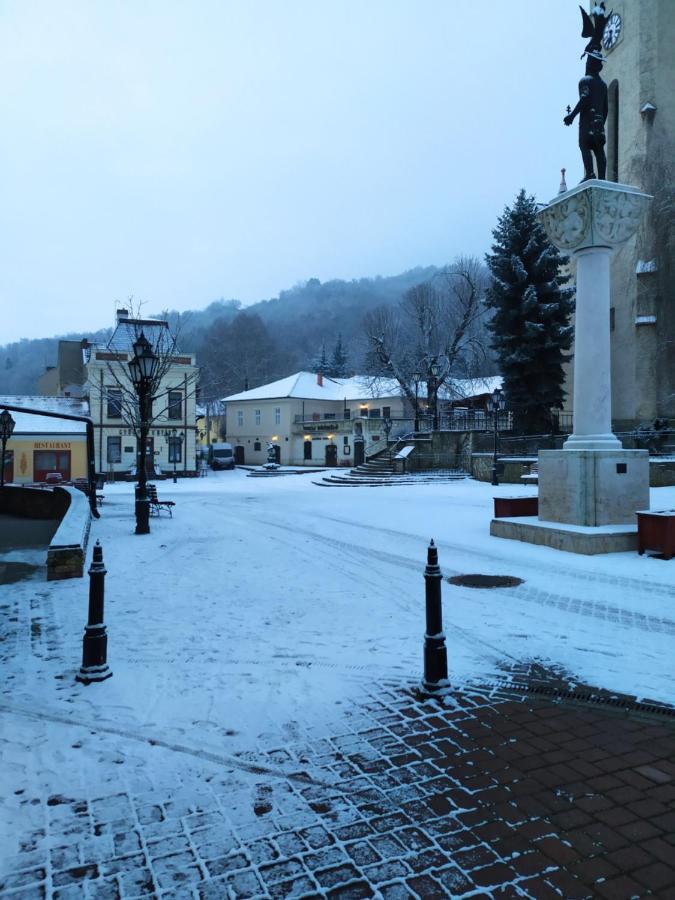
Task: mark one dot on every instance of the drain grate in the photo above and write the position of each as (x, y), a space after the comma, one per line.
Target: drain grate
(485, 581)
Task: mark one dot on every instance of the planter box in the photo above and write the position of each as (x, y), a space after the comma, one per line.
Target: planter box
(656, 531)
(509, 507)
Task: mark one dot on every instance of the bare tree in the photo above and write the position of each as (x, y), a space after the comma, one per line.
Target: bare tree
(437, 331)
(165, 345)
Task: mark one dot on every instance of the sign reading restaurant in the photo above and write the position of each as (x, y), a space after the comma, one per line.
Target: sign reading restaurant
(52, 445)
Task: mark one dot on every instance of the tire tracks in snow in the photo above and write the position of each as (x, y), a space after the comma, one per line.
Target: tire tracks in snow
(618, 615)
(221, 759)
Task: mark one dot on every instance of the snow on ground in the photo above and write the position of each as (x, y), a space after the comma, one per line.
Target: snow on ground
(265, 603)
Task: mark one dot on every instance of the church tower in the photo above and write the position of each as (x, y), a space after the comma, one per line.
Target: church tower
(639, 70)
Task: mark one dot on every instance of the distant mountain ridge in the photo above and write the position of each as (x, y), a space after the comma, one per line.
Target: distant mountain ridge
(300, 319)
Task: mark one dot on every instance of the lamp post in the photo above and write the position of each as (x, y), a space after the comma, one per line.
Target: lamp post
(175, 442)
(7, 424)
(495, 404)
(386, 424)
(435, 370)
(417, 377)
(143, 369)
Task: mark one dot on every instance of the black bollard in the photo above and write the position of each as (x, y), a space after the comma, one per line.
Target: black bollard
(95, 641)
(435, 653)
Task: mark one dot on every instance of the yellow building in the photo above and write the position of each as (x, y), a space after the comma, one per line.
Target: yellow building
(42, 446)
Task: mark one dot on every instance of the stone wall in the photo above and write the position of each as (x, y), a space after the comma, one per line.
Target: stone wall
(34, 503)
(513, 467)
(65, 557)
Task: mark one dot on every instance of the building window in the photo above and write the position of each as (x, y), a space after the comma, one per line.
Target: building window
(329, 415)
(256, 445)
(114, 410)
(175, 405)
(386, 412)
(175, 449)
(277, 415)
(240, 417)
(374, 413)
(348, 413)
(256, 416)
(114, 449)
(611, 318)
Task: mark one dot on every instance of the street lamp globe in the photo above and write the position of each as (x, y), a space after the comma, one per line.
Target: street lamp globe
(7, 424)
(435, 368)
(145, 361)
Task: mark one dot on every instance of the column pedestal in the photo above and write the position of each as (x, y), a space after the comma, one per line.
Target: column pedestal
(590, 490)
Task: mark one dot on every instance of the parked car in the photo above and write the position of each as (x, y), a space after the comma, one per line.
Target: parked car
(222, 456)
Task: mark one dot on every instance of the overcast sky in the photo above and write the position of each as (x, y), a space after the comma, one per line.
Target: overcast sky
(181, 152)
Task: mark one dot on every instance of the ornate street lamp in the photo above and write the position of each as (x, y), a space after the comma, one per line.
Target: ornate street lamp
(7, 424)
(496, 403)
(387, 425)
(143, 370)
(435, 369)
(175, 442)
(417, 377)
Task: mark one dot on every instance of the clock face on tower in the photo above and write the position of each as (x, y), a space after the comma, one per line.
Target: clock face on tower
(612, 31)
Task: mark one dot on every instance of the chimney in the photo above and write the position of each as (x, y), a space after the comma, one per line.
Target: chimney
(319, 379)
(122, 314)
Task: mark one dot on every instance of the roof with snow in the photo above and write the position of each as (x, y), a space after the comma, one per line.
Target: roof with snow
(127, 331)
(305, 386)
(466, 388)
(31, 423)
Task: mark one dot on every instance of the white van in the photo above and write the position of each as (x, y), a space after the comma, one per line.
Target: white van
(222, 456)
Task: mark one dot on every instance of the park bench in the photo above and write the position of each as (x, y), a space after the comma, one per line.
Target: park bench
(157, 505)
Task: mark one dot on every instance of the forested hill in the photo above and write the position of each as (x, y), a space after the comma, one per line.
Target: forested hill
(299, 320)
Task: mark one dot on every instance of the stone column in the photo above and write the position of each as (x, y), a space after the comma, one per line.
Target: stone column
(592, 481)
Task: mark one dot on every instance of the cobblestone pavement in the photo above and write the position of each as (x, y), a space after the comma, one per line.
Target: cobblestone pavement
(478, 794)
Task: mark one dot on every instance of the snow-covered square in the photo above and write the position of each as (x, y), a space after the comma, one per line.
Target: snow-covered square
(264, 617)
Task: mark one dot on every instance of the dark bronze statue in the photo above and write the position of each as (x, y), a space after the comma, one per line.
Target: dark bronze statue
(592, 105)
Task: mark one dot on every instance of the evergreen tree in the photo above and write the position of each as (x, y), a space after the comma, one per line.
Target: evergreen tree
(338, 362)
(531, 324)
(320, 361)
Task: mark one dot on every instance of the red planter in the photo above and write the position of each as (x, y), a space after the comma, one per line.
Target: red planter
(656, 531)
(508, 507)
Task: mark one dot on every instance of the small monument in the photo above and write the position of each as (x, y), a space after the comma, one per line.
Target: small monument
(271, 465)
(590, 490)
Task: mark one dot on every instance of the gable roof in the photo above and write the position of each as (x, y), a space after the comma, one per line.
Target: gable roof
(304, 386)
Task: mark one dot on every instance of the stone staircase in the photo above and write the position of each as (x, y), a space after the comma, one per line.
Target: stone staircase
(379, 472)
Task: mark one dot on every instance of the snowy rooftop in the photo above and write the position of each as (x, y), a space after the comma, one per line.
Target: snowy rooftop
(465, 388)
(305, 386)
(30, 423)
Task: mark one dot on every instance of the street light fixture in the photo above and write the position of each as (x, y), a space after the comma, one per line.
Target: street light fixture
(175, 444)
(417, 377)
(7, 424)
(435, 369)
(143, 370)
(496, 403)
(387, 424)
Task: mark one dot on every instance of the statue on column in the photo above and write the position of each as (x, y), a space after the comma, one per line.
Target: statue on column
(592, 105)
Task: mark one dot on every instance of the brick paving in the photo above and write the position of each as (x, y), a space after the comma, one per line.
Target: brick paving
(477, 794)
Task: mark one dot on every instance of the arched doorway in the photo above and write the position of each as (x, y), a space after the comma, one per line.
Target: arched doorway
(359, 451)
(239, 455)
(277, 454)
(307, 449)
(331, 455)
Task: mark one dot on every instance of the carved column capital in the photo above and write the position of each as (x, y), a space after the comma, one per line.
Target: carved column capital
(594, 214)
